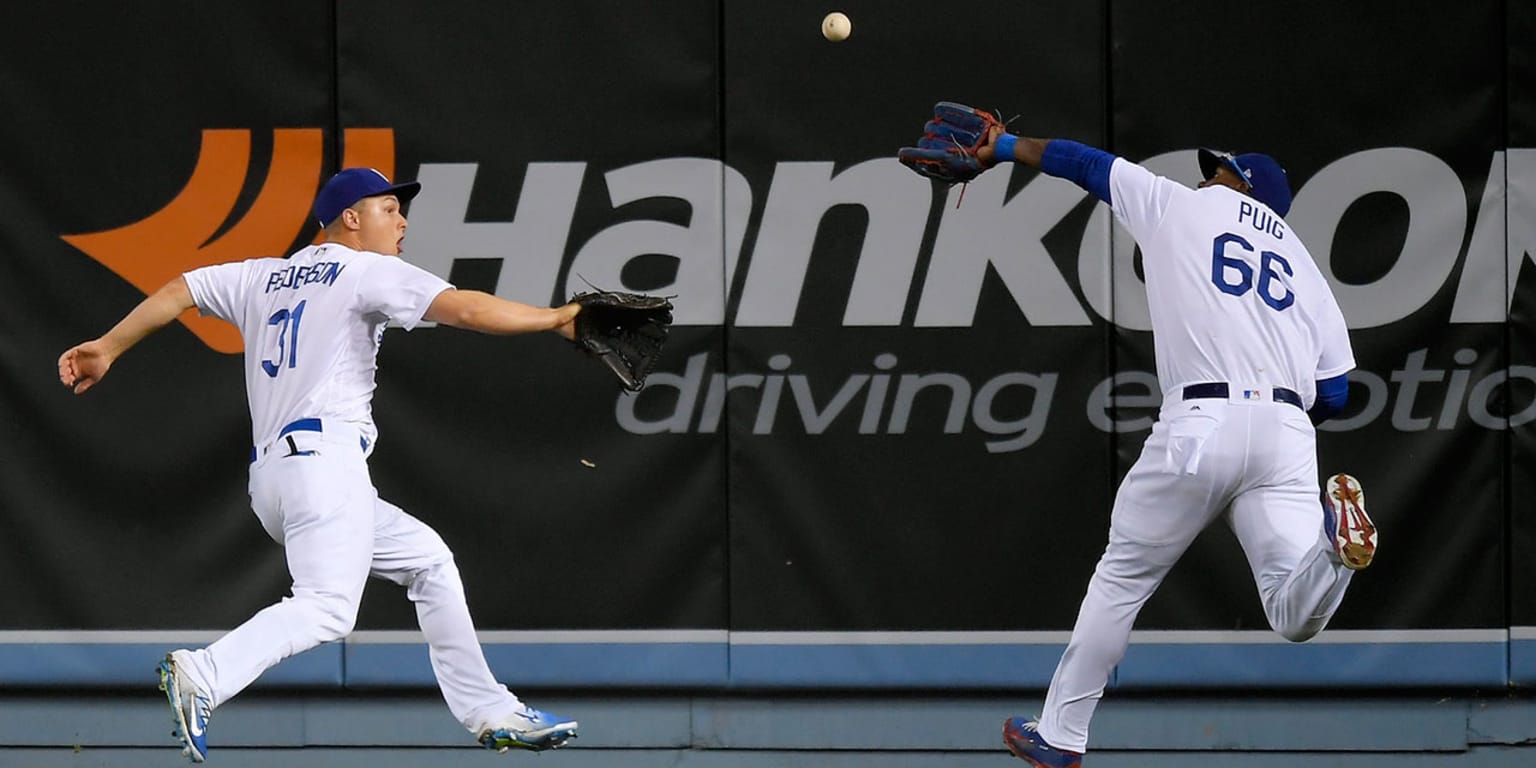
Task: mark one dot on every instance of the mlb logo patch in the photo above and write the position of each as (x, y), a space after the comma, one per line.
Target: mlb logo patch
(1251, 394)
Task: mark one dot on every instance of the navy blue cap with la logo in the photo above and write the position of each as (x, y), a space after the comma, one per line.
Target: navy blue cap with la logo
(1266, 179)
(344, 189)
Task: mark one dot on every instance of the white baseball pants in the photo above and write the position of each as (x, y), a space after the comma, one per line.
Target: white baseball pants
(1254, 462)
(336, 532)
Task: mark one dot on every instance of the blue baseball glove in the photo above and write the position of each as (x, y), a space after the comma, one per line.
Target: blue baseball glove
(947, 150)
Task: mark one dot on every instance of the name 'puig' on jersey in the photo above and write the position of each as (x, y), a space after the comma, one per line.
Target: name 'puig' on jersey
(1261, 219)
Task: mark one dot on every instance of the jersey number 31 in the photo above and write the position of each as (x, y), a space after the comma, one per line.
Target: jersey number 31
(287, 323)
(1224, 267)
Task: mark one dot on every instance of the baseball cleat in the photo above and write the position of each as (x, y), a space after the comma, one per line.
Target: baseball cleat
(1022, 737)
(1349, 527)
(190, 710)
(533, 730)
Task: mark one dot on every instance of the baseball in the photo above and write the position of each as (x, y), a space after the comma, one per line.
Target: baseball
(836, 26)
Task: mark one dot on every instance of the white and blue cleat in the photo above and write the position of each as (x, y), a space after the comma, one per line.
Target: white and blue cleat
(532, 730)
(190, 710)
(1022, 737)
(1346, 524)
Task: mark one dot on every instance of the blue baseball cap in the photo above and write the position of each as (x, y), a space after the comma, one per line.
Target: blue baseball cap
(1266, 179)
(344, 189)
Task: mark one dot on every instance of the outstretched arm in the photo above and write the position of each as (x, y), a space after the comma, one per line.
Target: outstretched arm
(1078, 163)
(85, 364)
(478, 311)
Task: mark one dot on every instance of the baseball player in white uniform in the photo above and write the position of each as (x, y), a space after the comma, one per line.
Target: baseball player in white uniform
(312, 324)
(1252, 351)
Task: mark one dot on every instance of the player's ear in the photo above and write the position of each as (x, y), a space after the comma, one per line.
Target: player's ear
(351, 218)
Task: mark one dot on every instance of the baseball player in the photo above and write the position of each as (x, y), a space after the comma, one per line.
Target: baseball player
(312, 324)
(1252, 352)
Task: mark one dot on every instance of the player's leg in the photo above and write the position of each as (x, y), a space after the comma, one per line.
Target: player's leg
(1279, 522)
(411, 554)
(320, 508)
(1161, 506)
(1126, 576)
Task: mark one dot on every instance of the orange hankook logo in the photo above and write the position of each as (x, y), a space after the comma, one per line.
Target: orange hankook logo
(152, 251)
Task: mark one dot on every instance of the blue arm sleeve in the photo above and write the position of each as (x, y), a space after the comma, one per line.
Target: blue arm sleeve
(1080, 164)
(1331, 396)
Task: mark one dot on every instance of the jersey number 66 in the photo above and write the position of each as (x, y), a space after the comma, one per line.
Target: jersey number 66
(1224, 266)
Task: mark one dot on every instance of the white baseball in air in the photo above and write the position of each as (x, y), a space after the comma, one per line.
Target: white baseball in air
(836, 27)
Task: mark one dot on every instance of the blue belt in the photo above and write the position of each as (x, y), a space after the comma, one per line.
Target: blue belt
(1220, 390)
(303, 425)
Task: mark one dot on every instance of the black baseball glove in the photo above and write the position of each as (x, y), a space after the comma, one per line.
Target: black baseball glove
(947, 150)
(624, 330)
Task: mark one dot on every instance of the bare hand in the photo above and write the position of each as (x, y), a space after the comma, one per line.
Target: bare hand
(84, 365)
(987, 153)
(567, 321)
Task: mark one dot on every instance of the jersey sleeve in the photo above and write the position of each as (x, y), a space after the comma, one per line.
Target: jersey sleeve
(1336, 355)
(220, 290)
(1085, 166)
(399, 290)
(1140, 197)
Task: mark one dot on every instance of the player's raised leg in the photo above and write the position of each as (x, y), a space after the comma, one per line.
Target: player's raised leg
(1300, 581)
(1292, 547)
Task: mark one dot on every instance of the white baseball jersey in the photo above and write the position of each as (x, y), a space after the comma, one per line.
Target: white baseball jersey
(1236, 299)
(312, 325)
(1234, 295)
